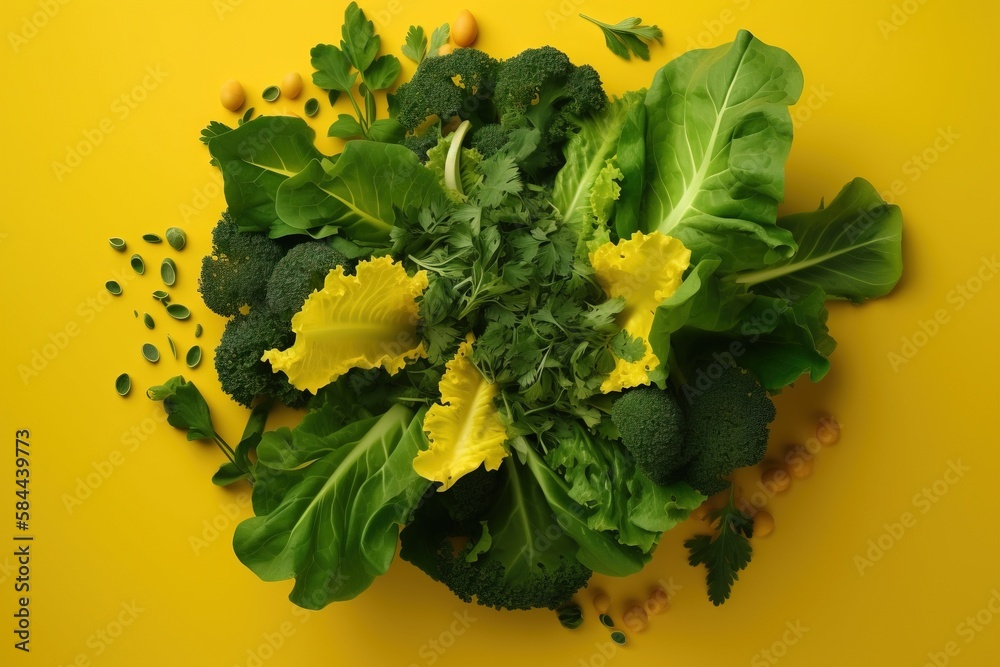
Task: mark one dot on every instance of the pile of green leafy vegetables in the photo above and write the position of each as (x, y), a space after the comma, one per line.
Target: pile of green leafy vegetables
(532, 326)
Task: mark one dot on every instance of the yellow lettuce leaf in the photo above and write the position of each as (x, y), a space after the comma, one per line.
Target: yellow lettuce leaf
(464, 430)
(643, 270)
(361, 321)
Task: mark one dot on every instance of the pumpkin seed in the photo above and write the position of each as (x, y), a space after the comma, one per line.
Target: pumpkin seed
(161, 296)
(147, 319)
(176, 238)
(178, 312)
(197, 331)
(151, 238)
(571, 616)
(113, 287)
(135, 313)
(606, 620)
(168, 271)
(117, 243)
(138, 265)
(123, 384)
(312, 107)
(173, 348)
(151, 353)
(271, 93)
(194, 357)
(618, 638)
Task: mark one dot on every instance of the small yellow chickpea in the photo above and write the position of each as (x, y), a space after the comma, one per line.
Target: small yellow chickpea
(291, 85)
(465, 29)
(775, 480)
(828, 431)
(635, 619)
(602, 603)
(445, 49)
(799, 461)
(763, 524)
(232, 95)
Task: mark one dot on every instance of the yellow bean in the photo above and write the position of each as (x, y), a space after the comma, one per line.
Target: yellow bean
(465, 29)
(828, 431)
(231, 95)
(799, 461)
(445, 49)
(775, 480)
(763, 524)
(658, 602)
(291, 85)
(602, 603)
(636, 619)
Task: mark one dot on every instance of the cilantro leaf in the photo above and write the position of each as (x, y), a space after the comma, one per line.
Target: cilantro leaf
(626, 37)
(725, 554)
(415, 47)
(628, 347)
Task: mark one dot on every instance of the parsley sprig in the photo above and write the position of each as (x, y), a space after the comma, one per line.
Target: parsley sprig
(725, 553)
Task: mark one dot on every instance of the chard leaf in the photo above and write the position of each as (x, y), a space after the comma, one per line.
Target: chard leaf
(255, 159)
(360, 193)
(336, 522)
(718, 134)
(851, 249)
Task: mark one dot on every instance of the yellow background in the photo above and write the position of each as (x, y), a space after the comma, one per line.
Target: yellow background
(886, 80)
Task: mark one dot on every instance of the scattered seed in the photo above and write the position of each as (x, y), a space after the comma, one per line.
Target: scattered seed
(150, 352)
(152, 238)
(246, 116)
(571, 616)
(178, 312)
(291, 85)
(113, 287)
(123, 384)
(197, 331)
(168, 271)
(606, 620)
(147, 319)
(618, 638)
(138, 265)
(271, 93)
(173, 348)
(312, 107)
(193, 357)
(117, 243)
(176, 238)
(135, 313)
(161, 296)
(232, 95)
(602, 602)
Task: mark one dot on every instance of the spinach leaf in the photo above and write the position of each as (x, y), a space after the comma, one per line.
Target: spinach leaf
(361, 193)
(335, 525)
(718, 134)
(255, 159)
(851, 249)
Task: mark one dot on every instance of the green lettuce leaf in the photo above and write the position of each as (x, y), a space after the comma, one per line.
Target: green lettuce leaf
(255, 159)
(718, 134)
(360, 194)
(631, 161)
(334, 524)
(851, 249)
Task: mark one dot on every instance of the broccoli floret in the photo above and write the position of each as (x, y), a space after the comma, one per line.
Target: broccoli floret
(543, 88)
(301, 271)
(235, 274)
(727, 428)
(490, 139)
(651, 425)
(457, 84)
(237, 359)
(421, 143)
(472, 495)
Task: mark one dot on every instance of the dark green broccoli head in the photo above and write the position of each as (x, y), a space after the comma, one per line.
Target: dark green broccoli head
(472, 495)
(490, 139)
(457, 84)
(651, 425)
(727, 428)
(236, 273)
(301, 271)
(237, 359)
(421, 143)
